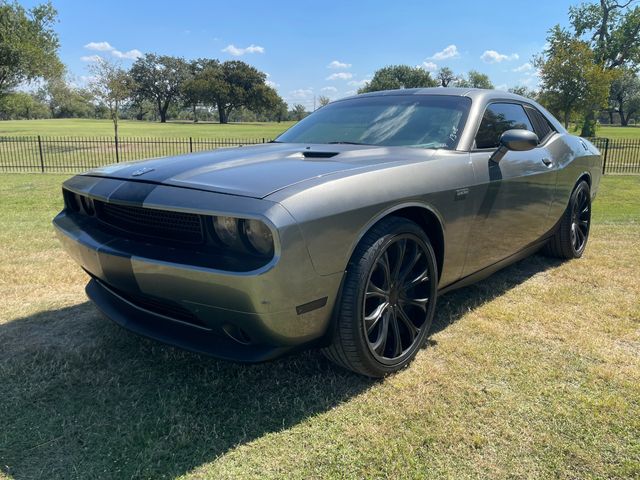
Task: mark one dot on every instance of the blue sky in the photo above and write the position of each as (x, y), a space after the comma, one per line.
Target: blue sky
(315, 48)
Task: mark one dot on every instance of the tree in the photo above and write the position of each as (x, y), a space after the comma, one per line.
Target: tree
(233, 85)
(195, 89)
(28, 45)
(445, 76)
(280, 111)
(111, 86)
(570, 78)
(159, 78)
(322, 100)
(66, 101)
(625, 95)
(398, 76)
(22, 106)
(139, 107)
(271, 106)
(298, 112)
(475, 79)
(524, 91)
(611, 29)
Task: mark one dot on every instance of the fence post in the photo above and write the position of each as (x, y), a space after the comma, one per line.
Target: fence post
(41, 156)
(117, 153)
(606, 154)
(190, 145)
(263, 140)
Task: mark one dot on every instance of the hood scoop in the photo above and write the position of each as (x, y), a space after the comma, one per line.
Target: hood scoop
(312, 154)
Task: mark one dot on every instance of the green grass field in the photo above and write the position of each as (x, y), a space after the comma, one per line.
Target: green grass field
(532, 373)
(130, 128)
(606, 131)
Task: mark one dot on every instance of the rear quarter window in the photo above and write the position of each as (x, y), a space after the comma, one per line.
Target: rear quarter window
(541, 125)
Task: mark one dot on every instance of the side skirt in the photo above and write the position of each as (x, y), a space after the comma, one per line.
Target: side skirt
(491, 269)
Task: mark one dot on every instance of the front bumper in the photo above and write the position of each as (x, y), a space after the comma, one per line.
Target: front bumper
(159, 292)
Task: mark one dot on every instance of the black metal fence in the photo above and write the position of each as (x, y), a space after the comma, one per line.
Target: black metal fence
(619, 155)
(71, 154)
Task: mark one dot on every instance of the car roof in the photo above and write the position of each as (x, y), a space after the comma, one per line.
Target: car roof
(473, 93)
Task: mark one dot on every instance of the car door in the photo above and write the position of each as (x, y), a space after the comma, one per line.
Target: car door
(514, 195)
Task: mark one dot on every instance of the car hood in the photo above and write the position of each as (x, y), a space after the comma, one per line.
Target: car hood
(257, 171)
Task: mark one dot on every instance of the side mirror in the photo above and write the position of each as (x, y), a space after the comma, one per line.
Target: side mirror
(518, 140)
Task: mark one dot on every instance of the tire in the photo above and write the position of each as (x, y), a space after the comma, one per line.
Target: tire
(388, 300)
(570, 238)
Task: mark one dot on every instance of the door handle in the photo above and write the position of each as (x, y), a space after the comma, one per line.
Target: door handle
(547, 161)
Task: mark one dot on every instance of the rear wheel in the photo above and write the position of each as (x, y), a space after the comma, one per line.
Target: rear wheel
(388, 300)
(570, 239)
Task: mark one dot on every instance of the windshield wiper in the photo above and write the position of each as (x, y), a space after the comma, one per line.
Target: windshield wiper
(347, 143)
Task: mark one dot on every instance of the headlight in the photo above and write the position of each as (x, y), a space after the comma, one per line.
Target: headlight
(259, 236)
(226, 229)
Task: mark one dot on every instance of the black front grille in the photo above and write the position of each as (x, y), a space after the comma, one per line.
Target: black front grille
(149, 222)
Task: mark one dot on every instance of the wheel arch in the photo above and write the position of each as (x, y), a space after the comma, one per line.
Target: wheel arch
(586, 176)
(424, 215)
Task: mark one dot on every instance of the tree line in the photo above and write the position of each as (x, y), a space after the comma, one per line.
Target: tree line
(587, 72)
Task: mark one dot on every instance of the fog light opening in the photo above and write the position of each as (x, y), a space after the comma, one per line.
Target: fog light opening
(237, 334)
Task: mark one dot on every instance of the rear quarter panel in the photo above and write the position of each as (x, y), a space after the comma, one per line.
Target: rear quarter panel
(576, 158)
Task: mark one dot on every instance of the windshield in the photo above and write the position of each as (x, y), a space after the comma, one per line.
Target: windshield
(427, 121)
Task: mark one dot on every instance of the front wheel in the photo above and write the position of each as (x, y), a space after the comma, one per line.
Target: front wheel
(388, 300)
(570, 239)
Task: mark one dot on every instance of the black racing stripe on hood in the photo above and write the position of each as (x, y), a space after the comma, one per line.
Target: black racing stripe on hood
(162, 169)
(132, 193)
(101, 189)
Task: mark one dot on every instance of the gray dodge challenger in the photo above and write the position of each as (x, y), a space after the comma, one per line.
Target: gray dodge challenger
(340, 233)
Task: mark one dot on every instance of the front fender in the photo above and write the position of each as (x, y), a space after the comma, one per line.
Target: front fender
(334, 215)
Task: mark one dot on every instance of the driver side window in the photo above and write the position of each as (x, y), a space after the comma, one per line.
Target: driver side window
(497, 119)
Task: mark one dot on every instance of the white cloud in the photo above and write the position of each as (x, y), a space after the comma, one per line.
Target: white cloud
(525, 67)
(491, 56)
(91, 58)
(502, 86)
(237, 51)
(329, 89)
(358, 83)
(106, 47)
(269, 82)
(301, 93)
(429, 66)
(99, 46)
(340, 76)
(338, 64)
(449, 52)
(131, 54)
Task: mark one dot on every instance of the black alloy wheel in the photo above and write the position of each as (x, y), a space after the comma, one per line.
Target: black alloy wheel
(395, 302)
(572, 233)
(388, 299)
